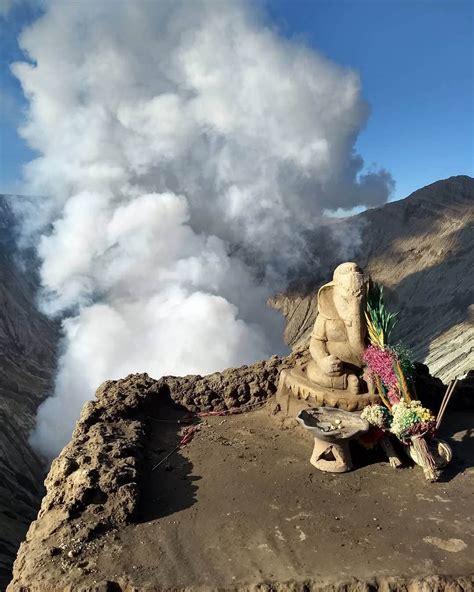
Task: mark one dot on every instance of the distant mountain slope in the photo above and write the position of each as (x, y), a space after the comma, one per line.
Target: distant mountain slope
(27, 355)
(422, 249)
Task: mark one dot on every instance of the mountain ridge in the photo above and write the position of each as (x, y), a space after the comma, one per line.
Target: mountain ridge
(420, 248)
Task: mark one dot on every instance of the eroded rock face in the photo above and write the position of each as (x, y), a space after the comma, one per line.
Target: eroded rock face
(94, 485)
(27, 359)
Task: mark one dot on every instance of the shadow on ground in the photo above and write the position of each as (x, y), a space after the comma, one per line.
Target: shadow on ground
(170, 487)
(458, 430)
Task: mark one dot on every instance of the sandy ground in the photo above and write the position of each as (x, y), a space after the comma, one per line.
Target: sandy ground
(241, 504)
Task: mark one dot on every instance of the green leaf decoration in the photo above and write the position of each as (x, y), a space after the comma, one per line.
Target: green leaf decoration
(381, 321)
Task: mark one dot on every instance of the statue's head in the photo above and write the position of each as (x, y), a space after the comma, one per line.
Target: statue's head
(349, 292)
(348, 280)
(345, 296)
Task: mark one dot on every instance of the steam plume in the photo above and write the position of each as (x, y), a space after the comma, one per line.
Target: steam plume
(185, 148)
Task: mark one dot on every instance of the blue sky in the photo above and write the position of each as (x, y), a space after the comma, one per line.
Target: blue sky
(13, 151)
(416, 61)
(415, 58)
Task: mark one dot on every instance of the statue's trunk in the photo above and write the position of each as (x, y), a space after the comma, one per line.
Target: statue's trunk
(356, 328)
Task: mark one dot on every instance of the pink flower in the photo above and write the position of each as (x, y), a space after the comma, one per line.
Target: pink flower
(393, 395)
(380, 363)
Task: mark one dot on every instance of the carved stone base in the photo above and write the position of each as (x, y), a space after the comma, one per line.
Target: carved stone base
(296, 392)
(331, 457)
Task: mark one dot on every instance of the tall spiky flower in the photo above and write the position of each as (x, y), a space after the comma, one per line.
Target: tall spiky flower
(380, 322)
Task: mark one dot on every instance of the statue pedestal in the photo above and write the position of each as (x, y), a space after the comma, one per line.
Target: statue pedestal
(332, 430)
(331, 457)
(296, 392)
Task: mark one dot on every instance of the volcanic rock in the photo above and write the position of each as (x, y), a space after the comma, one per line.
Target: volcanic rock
(27, 359)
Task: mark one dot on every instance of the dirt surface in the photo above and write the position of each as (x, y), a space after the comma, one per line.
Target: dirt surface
(240, 506)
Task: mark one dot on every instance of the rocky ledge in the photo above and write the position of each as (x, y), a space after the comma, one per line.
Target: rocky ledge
(94, 485)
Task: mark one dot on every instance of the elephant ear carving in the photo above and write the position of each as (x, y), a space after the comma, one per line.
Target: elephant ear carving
(326, 306)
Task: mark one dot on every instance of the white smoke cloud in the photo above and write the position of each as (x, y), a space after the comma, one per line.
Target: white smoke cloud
(185, 150)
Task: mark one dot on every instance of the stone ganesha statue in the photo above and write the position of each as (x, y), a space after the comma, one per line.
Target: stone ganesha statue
(338, 338)
(332, 377)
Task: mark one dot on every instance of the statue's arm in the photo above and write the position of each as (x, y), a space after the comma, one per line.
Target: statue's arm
(329, 364)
